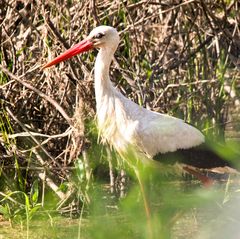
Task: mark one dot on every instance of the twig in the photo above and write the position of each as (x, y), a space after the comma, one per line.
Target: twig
(94, 11)
(33, 138)
(181, 84)
(30, 133)
(61, 39)
(44, 96)
(52, 185)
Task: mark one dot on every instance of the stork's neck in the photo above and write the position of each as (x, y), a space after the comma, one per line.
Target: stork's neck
(109, 103)
(103, 85)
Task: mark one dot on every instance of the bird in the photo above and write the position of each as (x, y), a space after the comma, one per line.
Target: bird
(122, 123)
(125, 125)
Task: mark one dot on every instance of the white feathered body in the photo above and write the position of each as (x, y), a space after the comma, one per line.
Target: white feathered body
(135, 132)
(122, 123)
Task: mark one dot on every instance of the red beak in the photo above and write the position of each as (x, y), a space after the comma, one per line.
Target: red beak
(83, 46)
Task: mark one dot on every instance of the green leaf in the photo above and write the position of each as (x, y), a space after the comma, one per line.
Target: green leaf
(34, 192)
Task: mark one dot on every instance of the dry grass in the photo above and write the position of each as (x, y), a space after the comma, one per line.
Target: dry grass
(178, 57)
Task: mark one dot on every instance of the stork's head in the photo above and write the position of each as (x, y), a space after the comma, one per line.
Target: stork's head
(99, 37)
(104, 36)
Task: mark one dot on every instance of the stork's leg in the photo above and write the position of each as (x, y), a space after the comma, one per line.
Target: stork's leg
(146, 203)
(206, 181)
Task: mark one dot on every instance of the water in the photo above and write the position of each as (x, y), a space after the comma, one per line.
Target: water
(183, 210)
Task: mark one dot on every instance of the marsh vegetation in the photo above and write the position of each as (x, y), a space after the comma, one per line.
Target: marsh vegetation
(175, 57)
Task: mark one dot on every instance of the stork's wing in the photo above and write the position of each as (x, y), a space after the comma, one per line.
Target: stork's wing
(159, 133)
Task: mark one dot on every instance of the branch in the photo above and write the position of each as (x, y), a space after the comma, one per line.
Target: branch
(44, 96)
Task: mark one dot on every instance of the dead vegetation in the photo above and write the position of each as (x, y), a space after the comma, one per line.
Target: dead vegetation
(176, 57)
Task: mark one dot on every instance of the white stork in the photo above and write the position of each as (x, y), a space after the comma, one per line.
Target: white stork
(124, 124)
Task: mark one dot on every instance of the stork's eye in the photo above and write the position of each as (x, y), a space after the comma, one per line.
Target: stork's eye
(99, 35)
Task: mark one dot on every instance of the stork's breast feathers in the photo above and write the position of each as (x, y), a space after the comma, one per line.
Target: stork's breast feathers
(167, 134)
